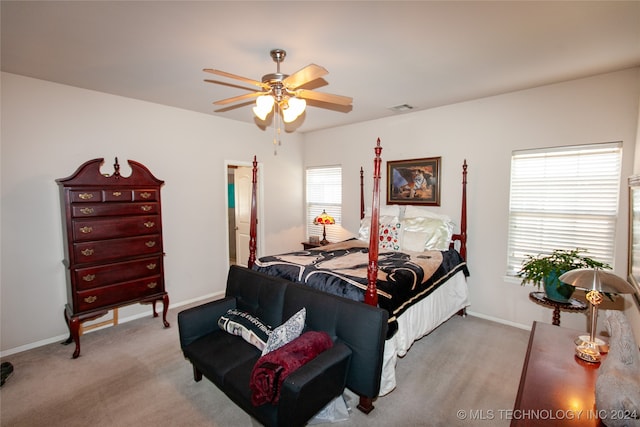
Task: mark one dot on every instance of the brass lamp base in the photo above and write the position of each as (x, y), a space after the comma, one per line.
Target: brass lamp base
(588, 352)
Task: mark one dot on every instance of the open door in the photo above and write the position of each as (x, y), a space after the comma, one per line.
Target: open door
(242, 194)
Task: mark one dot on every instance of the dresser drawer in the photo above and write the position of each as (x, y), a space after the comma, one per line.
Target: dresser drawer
(117, 195)
(85, 196)
(114, 228)
(108, 274)
(113, 209)
(145, 195)
(121, 293)
(106, 250)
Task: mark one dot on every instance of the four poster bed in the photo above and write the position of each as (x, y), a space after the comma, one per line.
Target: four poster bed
(420, 283)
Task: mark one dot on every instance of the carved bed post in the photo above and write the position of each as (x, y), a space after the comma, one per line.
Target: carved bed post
(361, 192)
(462, 237)
(371, 295)
(254, 216)
(463, 218)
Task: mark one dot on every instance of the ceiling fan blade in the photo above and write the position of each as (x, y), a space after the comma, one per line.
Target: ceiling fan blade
(239, 98)
(324, 97)
(229, 84)
(305, 75)
(233, 76)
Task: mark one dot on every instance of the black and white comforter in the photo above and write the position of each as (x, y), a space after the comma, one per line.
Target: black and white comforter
(404, 278)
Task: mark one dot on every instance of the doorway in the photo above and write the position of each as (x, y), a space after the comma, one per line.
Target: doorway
(239, 189)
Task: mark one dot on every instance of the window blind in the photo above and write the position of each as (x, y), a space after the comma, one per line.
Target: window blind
(564, 198)
(324, 192)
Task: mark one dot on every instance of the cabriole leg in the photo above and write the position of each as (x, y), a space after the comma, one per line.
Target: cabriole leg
(165, 308)
(73, 323)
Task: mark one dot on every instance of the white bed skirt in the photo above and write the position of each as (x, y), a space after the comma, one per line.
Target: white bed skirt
(418, 321)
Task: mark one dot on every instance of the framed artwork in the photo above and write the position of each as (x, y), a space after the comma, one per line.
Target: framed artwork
(634, 236)
(414, 182)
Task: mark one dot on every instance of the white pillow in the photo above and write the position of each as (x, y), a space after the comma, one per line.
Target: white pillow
(385, 210)
(414, 241)
(422, 212)
(436, 233)
(287, 332)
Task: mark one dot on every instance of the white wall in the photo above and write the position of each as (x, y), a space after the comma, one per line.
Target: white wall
(598, 109)
(48, 130)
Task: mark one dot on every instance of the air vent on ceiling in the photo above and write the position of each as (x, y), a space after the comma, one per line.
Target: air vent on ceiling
(401, 108)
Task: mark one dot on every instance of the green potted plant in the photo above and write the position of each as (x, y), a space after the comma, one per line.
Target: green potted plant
(546, 268)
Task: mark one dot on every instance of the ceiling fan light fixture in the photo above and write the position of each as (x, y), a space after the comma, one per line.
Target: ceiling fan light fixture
(281, 91)
(264, 105)
(294, 110)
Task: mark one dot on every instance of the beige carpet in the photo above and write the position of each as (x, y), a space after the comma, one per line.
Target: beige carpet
(134, 374)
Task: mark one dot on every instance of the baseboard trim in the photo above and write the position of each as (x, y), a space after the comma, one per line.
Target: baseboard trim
(63, 337)
(498, 320)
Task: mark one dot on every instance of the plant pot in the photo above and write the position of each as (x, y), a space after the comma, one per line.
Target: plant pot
(556, 290)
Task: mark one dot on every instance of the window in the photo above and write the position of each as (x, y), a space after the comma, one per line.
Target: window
(564, 198)
(324, 192)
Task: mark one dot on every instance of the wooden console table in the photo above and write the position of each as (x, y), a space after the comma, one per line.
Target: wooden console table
(556, 388)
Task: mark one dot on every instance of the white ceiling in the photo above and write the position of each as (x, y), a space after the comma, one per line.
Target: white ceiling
(383, 54)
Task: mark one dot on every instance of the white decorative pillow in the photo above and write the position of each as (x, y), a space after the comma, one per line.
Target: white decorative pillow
(436, 232)
(390, 236)
(365, 225)
(287, 332)
(249, 327)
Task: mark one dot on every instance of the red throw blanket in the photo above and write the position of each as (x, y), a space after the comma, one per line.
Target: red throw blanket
(271, 369)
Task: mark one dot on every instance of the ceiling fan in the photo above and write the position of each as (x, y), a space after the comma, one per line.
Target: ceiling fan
(283, 91)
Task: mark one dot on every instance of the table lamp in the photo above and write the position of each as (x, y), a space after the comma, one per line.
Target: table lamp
(596, 282)
(323, 219)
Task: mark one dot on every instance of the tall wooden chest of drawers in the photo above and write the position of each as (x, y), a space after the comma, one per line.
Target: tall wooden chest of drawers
(112, 228)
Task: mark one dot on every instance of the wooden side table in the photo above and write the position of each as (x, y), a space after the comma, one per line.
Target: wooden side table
(309, 245)
(573, 305)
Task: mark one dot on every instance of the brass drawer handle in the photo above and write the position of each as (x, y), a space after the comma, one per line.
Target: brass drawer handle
(149, 224)
(151, 266)
(85, 196)
(89, 277)
(86, 211)
(145, 208)
(152, 285)
(86, 230)
(117, 193)
(91, 299)
(150, 244)
(87, 252)
(145, 195)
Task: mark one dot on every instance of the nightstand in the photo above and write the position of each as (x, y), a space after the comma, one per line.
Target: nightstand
(309, 245)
